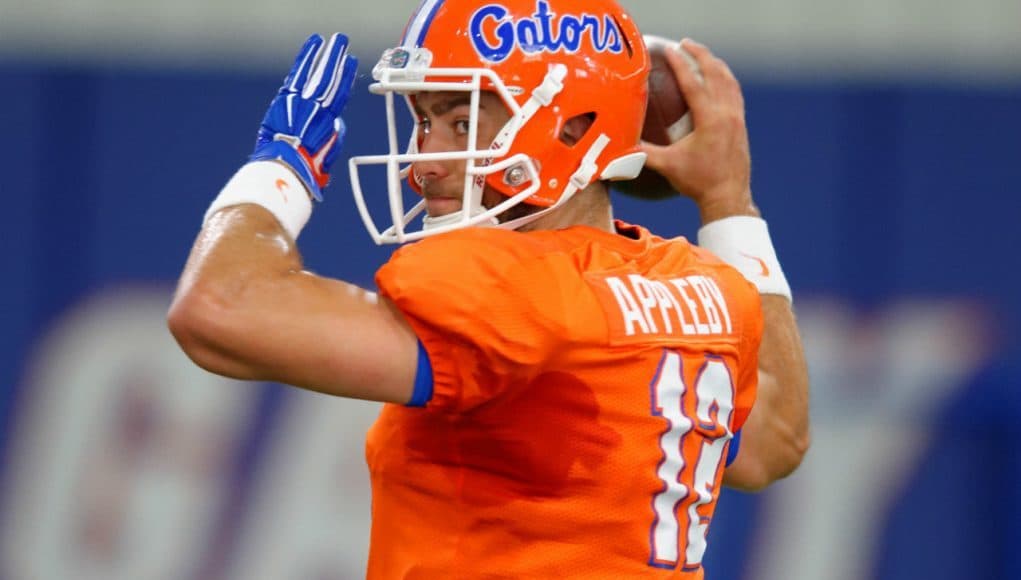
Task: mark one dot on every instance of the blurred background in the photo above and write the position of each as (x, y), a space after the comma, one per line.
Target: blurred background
(886, 138)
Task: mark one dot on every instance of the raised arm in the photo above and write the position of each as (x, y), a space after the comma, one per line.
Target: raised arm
(712, 166)
(244, 306)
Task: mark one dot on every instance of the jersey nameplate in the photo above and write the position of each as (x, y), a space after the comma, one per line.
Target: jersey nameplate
(639, 308)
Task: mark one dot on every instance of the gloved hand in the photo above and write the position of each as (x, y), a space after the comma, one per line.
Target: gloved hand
(302, 127)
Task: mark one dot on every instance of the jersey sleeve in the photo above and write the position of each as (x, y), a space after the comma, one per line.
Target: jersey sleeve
(480, 311)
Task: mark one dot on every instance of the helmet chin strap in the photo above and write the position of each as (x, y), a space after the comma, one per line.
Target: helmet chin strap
(432, 223)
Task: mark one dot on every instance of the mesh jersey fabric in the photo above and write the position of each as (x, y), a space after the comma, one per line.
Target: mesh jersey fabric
(542, 450)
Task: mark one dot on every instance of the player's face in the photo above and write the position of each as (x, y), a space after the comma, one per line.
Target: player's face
(444, 119)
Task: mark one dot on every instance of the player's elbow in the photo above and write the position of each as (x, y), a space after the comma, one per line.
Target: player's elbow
(199, 319)
(786, 453)
(792, 442)
(756, 468)
(777, 434)
(790, 455)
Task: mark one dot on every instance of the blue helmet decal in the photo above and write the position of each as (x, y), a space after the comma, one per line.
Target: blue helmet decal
(495, 36)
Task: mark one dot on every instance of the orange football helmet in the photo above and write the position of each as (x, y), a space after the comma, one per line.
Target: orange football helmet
(549, 61)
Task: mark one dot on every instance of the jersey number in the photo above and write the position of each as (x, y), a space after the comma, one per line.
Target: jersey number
(692, 488)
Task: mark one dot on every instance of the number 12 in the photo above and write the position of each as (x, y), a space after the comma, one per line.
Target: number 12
(714, 395)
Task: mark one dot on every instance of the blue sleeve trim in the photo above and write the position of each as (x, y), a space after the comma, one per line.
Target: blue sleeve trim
(735, 445)
(423, 380)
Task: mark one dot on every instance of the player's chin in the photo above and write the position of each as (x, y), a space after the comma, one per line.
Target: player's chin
(441, 206)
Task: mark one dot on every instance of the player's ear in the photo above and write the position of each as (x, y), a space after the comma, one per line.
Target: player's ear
(576, 127)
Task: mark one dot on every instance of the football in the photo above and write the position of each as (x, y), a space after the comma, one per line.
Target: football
(667, 118)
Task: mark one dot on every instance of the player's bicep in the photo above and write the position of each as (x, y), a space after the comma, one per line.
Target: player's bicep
(348, 342)
(303, 330)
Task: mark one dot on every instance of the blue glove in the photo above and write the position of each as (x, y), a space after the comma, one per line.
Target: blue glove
(302, 127)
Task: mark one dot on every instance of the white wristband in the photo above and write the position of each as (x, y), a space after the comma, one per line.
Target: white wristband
(274, 187)
(744, 243)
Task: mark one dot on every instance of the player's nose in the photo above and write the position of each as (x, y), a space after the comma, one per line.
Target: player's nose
(431, 170)
(427, 173)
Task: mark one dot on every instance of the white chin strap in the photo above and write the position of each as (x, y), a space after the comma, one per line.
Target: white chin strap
(430, 223)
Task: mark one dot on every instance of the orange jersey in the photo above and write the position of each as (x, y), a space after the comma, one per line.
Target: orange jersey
(586, 388)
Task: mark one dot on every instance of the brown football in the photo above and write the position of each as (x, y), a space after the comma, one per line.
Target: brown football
(667, 119)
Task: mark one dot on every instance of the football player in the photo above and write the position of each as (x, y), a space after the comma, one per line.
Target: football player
(565, 393)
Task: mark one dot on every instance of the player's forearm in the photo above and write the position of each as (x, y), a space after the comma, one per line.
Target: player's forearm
(227, 292)
(737, 202)
(775, 437)
(244, 277)
(778, 428)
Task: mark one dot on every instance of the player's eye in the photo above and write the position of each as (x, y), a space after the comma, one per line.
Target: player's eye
(461, 127)
(424, 126)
